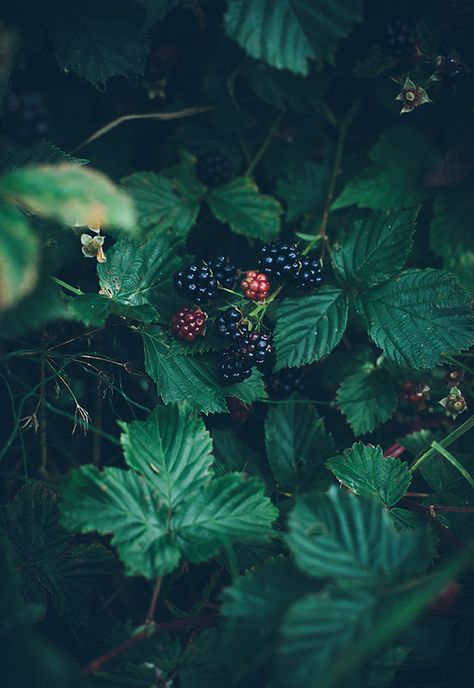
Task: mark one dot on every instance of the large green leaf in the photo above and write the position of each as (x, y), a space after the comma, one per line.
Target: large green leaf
(377, 247)
(193, 378)
(248, 212)
(19, 257)
(402, 158)
(304, 191)
(70, 194)
(308, 328)
(172, 448)
(286, 34)
(297, 445)
(163, 203)
(352, 541)
(366, 471)
(368, 397)
(417, 316)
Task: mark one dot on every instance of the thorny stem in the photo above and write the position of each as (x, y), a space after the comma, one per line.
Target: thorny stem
(150, 615)
(452, 437)
(263, 148)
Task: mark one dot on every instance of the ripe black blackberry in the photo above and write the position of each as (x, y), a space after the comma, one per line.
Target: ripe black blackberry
(401, 38)
(309, 275)
(196, 282)
(256, 349)
(213, 168)
(282, 383)
(223, 270)
(25, 117)
(279, 260)
(230, 325)
(233, 367)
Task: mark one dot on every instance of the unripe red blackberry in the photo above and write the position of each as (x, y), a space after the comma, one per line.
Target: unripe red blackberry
(255, 285)
(188, 323)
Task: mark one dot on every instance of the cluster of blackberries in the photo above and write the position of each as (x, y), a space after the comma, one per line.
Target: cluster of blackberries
(282, 260)
(24, 118)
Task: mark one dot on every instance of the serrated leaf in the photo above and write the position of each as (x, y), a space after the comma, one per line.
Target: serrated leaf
(41, 153)
(352, 541)
(19, 257)
(163, 203)
(304, 192)
(368, 397)
(193, 378)
(248, 212)
(99, 41)
(366, 471)
(233, 454)
(95, 309)
(376, 248)
(70, 194)
(308, 328)
(297, 445)
(172, 448)
(417, 316)
(402, 158)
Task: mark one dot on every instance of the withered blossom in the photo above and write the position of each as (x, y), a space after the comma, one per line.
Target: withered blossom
(412, 96)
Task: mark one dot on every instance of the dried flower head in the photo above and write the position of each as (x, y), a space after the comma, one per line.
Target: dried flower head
(412, 96)
(92, 247)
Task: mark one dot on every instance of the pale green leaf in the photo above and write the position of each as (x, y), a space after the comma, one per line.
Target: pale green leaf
(248, 212)
(366, 471)
(368, 397)
(377, 247)
(309, 327)
(417, 316)
(19, 257)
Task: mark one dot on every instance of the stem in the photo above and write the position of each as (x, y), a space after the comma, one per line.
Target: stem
(43, 437)
(150, 615)
(67, 286)
(454, 462)
(426, 513)
(263, 148)
(452, 437)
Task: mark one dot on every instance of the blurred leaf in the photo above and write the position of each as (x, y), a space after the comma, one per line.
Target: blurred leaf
(41, 153)
(43, 305)
(305, 191)
(19, 257)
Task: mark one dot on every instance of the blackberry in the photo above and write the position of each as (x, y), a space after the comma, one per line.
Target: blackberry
(213, 168)
(238, 411)
(196, 282)
(230, 325)
(188, 323)
(401, 38)
(233, 367)
(25, 117)
(223, 270)
(256, 349)
(255, 285)
(449, 69)
(415, 392)
(282, 383)
(279, 260)
(309, 275)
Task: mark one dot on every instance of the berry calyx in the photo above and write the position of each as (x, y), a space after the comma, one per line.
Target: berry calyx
(233, 367)
(309, 275)
(223, 270)
(25, 117)
(213, 168)
(256, 349)
(230, 325)
(279, 260)
(255, 285)
(188, 323)
(196, 282)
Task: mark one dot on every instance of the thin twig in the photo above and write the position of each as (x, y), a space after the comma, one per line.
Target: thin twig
(150, 615)
(43, 437)
(162, 116)
(263, 148)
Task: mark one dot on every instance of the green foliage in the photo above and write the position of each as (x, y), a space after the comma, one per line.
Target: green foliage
(304, 191)
(19, 257)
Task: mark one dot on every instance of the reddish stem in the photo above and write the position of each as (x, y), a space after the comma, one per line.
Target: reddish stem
(395, 450)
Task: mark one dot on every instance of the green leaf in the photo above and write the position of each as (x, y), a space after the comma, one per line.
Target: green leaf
(70, 194)
(163, 203)
(417, 316)
(368, 397)
(297, 445)
(366, 471)
(41, 153)
(248, 212)
(193, 378)
(419, 441)
(233, 454)
(54, 568)
(289, 33)
(402, 158)
(95, 309)
(99, 41)
(309, 327)
(377, 248)
(172, 448)
(305, 191)
(352, 541)
(19, 257)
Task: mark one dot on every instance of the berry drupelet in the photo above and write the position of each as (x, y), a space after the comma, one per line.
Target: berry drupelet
(233, 367)
(188, 323)
(255, 285)
(279, 260)
(256, 349)
(213, 168)
(309, 275)
(223, 270)
(230, 325)
(196, 282)
(25, 118)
